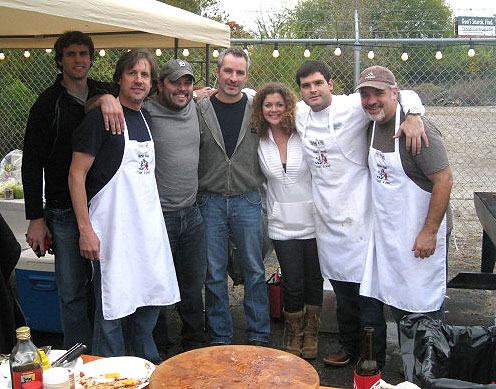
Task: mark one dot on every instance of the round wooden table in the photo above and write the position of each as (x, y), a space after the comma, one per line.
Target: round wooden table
(235, 366)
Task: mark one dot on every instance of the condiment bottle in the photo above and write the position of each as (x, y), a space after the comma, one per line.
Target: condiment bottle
(367, 374)
(56, 378)
(33, 385)
(25, 360)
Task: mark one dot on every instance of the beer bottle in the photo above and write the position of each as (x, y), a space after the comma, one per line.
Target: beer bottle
(25, 360)
(367, 375)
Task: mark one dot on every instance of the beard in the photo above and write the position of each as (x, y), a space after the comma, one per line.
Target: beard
(377, 117)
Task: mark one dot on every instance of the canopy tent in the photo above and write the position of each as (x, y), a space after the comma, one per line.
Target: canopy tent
(27, 24)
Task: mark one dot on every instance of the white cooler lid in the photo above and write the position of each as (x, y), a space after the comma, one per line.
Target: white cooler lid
(29, 261)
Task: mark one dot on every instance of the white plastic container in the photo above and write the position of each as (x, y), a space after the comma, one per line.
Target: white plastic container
(56, 378)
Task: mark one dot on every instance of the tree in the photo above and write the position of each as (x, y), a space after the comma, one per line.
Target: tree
(378, 19)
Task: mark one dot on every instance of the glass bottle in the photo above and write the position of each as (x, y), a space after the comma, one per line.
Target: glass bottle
(25, 360)
(367, 374)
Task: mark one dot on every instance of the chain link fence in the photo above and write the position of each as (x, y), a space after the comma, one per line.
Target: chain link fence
(459, 93)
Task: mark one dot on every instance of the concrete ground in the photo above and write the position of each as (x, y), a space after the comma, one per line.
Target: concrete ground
(463, 307)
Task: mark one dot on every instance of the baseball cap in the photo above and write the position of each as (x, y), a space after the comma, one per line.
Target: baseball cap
(175, 69)
(377, 77)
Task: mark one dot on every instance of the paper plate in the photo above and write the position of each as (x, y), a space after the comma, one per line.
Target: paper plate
(125, 367)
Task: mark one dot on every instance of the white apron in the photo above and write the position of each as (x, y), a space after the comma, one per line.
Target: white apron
(135, 256)
(392, 274)
(341, 193)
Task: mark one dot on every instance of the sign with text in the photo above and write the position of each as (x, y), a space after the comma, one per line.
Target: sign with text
(476, 26)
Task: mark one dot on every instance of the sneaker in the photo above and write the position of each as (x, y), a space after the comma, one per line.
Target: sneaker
(341, 358)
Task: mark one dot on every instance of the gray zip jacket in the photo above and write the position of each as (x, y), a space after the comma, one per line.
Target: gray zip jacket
(216, 172)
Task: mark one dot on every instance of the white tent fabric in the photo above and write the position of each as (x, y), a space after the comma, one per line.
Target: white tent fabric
(111, 24)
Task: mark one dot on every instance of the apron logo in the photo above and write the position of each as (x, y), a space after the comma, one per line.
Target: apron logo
(382, 167)
(338, 125)
(321, 160)
(143, 167)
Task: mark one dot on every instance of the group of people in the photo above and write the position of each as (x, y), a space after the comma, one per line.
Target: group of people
(142, 195)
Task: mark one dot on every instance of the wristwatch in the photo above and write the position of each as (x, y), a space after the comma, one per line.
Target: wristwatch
(413, 111)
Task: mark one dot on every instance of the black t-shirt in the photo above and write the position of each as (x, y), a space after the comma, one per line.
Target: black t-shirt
(108, 149)
(230, 117)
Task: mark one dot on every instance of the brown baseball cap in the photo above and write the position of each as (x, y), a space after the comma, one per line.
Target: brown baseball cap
(175, 69)
(377, 77)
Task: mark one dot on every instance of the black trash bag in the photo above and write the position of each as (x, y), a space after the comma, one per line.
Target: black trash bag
(439, 356)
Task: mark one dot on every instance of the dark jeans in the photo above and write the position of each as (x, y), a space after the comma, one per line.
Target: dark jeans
(186, 233)
(73, 277)
(303, 282)
(355, 312)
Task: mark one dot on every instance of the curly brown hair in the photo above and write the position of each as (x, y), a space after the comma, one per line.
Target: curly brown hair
(288, 119)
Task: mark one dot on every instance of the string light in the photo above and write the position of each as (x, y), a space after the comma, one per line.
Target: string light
(48, 51)
(275, 53)
(101, 53)
(158, 52)
(2, 55)
(337, 51)
(471, 50)
(370, 54)
(27, 54)
(185, 53)
(307, 53)
(245, 49)
(215, 53)
(404, 55)
(438, 55)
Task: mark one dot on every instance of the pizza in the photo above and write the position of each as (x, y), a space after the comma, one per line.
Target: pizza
(107, 381)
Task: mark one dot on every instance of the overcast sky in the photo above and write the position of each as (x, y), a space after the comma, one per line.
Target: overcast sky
(245, 12)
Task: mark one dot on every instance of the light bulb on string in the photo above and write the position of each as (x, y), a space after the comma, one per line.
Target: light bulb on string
(438, 55)
(307, 53)
(26, 54)
(337, 51)
(370, 54)
(48, 51)
(245, 49)
(215, 53)
(158, 52)
(185, 53)
(404, 55)
(102, 53)
(275, 53)
(471, 50)
(2, 55)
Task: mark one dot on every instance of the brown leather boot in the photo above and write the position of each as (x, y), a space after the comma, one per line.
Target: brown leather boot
(311, 331)
(293, 332)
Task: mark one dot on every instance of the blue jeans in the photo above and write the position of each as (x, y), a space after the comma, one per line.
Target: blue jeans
(354, 312)
(186, 233)
(108, 339)
(300, 269)
(73, 276)
(243, 216)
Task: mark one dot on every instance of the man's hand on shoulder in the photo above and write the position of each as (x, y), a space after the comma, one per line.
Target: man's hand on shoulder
(37, 233)
(113, 116)
(413, 128)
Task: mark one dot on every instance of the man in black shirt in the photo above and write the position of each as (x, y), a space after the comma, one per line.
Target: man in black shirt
(47, 151)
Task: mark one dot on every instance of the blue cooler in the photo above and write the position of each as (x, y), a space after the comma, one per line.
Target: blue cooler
(37, 291)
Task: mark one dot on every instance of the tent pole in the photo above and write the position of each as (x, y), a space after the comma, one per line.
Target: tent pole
(176, 48)
(207, 61)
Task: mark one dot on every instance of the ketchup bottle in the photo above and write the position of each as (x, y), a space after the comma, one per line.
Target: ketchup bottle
(25, 360)
(367, 374)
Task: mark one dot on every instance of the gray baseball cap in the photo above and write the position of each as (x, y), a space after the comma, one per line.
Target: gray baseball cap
(175, 69)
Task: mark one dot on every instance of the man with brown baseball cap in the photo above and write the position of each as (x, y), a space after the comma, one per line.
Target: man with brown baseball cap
(416, 260)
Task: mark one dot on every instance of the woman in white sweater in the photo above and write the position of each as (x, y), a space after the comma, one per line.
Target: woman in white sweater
(290, 212)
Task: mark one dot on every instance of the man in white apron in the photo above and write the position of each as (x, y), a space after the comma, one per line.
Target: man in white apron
(406, 268)
(334, 138)
(123, 231)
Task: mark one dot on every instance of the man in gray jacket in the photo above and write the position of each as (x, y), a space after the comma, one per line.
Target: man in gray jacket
(229, 178)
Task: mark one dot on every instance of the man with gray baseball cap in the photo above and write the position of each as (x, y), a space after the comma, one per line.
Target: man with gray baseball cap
(175, 131)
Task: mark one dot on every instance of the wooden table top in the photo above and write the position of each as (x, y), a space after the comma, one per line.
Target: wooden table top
(236, 366)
